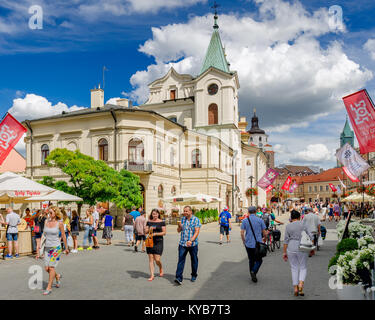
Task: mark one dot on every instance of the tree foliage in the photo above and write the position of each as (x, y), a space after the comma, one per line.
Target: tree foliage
(93, 180)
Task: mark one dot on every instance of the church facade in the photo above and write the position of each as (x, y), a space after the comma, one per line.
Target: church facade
(184, 139)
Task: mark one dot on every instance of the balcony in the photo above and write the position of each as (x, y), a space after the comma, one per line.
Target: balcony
(145, 166)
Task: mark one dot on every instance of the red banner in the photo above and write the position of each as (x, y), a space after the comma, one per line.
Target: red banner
(11, 132)
(362, 117)
(287, 183)
(269, 188)
(333, 188)
(350, 175)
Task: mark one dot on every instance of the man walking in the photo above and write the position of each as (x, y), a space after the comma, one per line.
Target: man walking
(252, 230)
(312, 222)
(139, 229)
(189, 227)
(225, 224)
(12, 220)
(135, 213)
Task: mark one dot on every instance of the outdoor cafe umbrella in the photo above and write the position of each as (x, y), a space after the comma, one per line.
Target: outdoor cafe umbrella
(55, 196)
(356, 197)
(15, 188)
(191, 199)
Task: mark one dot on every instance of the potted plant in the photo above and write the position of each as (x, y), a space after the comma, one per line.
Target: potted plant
(251, 192)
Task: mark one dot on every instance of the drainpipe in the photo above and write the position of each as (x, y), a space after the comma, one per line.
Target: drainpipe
(28, 124)
(233, 157)
(179, 157)
(115, 136)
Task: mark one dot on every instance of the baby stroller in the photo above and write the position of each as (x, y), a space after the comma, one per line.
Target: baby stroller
(323, 232)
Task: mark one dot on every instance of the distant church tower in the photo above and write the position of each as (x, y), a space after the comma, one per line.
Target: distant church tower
(258, 137)
(347, 135)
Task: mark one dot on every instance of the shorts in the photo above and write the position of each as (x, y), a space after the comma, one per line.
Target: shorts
(38, 235)
(52, 256)
(12, 236)
(140, 237)
(336, 214)
(224, 230)
(74, 233)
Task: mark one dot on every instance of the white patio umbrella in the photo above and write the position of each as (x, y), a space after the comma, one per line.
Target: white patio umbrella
(359, 197)
(55, 196)
(192, 199)
(15, 188)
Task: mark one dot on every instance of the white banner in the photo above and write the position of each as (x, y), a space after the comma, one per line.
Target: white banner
(352, 160)
(342, 183)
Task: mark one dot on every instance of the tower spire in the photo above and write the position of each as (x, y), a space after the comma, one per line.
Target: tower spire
(215, 6)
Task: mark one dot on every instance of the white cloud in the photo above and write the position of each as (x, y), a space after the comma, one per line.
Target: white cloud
(33, 106)
(283, 70)
(314, 153)
(112, 101)
(370, 47)
(143, 6)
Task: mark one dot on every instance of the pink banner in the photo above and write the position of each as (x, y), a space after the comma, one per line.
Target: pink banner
(11, 132)
(293, 187)
(287, 183)
(269, 188)
(362, 117)
(267, 179)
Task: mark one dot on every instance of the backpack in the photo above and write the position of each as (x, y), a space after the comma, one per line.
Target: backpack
(266, 219)
(224, 218)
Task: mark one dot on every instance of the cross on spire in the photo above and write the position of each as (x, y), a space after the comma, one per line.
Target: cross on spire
(215, 6)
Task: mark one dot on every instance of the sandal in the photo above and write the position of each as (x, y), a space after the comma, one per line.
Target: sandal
(150, 279)
(58, 282)
(161, 274)
(300, 291)
(47, 292)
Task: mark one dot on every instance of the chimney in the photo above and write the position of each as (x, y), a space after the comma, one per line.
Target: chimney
(97, 98)
(125, 103)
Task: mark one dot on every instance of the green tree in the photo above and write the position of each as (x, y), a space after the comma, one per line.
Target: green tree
(93, 180)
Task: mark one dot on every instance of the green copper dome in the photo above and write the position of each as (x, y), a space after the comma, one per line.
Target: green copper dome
(215, 56)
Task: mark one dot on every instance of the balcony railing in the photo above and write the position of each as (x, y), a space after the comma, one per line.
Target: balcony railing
(145, 166)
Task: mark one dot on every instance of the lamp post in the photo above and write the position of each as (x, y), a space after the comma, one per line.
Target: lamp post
(251, 186)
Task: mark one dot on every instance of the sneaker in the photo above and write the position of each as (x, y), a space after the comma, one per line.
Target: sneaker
(89, 249)
(220, 242)
(253, 277)
(135, 249)
(179, 282)
(9, 256)
(74, 251)
(193, 279)
(17, 255)
(80, 249)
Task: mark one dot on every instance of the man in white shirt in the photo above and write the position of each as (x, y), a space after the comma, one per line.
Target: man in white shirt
(95, 216)
(312, 223)
(12, 220)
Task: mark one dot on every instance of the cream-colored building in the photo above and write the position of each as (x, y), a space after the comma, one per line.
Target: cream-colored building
(185, 138)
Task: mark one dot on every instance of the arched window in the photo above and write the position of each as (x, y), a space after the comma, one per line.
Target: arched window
(103, 149)
(160, 191)
(158, 152)
(196, 159)
(136, 151)
(212, 114)
(173, 191)
(72, 146)
(45, 153)
(172, 154)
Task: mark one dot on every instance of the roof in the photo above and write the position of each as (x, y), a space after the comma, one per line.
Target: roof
(347, 132)
(215, 55)
(106, 108)
(325, 176)
(295, 170)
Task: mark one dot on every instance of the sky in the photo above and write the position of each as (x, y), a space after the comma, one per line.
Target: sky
(295, 59)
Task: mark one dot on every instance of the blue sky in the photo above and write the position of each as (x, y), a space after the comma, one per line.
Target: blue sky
(292, 67)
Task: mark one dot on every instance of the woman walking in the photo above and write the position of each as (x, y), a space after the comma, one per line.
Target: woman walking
(66, 222)
(52, 250)
(108, 227)
(87, 225)
(128, 227)
(158, 231)
(297, 258)
(74, 227)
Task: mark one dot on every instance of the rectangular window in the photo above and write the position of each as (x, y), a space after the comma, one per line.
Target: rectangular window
(316, 188)
(173, 94)
(310, 189)
(321, 189)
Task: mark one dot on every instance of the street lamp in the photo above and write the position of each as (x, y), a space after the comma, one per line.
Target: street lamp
(251, 186)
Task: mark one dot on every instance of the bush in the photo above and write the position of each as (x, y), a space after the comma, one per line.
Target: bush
(346, 245)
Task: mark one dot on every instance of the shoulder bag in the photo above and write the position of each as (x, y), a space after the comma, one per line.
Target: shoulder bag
(260, 247)
(42, 245)
(149, 239)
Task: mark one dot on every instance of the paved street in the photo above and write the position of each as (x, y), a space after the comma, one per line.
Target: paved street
(116, 272)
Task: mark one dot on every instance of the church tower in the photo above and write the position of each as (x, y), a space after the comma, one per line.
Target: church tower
(347, 135)
(258, 137)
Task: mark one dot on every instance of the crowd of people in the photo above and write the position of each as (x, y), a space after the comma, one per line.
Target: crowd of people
(61, 229)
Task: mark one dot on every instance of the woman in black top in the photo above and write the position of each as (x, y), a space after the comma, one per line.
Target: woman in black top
(74, 230)
(39, 219)
(156, 251)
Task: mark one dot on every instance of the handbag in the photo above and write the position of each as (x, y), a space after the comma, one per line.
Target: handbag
(149, 240)
(260, 247)
(306, 245)
(70, 241)
(320, 241)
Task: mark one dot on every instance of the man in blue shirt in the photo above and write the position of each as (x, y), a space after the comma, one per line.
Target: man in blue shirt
(250, 236)
(189, 228)
(135, 213)
(225, 224)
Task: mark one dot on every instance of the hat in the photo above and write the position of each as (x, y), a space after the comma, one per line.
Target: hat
(225, 208)
(252, 209)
